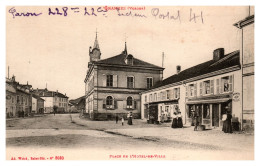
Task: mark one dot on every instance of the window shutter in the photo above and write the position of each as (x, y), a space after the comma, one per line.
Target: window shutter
(104, 80)
(217, 86)
(115, 104)
(171, 96)
(195, 89)
(201, 89)
(230, 83)
(186, 88)
(124, 105)
(114, 80)
(212, 86)
(221, 86)
(104, 104)
(178, 92)
(135, 104)
(174, 93)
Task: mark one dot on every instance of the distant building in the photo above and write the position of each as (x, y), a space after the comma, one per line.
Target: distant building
(18, 98)
(113, 85)
(51, 99)
(248, 73)
(37, 104)
(211, 89)
(78, 105)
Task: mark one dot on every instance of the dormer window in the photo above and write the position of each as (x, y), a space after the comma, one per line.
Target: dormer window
(129, 60)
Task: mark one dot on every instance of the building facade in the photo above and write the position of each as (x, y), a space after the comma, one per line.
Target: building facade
(18, 98)
(78, 105)
(52, 99)
(113, 85)
(37, 104)
(211, 89)
(247, 59)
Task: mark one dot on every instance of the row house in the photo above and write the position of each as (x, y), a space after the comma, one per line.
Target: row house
(18, 98)
(52, 99)
(246, 27)
(113, 85)
(211, 89)
(37, 104)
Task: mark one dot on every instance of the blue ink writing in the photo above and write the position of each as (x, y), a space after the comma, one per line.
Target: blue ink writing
(64, 11)
(130, 14)
(26, 14)
(156, 13)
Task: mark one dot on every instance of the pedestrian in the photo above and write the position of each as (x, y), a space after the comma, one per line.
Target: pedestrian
(192, 117)
(180, 124)
(196, 122)
(227, 125)
(129, 116)
(174, 120)
(116, 119)
(123, 121)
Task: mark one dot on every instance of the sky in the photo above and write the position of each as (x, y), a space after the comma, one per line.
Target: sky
(53, 49)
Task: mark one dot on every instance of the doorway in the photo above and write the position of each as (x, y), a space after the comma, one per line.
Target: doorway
(215, 115)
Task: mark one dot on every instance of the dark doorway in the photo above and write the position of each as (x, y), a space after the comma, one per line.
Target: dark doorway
(215, 115)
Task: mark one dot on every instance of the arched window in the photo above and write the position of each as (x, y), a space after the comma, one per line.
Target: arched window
(109, 101)
(129, 102)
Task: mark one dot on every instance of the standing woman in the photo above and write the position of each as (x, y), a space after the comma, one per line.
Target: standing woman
(179, 123)
(174, 120)
(227, 126)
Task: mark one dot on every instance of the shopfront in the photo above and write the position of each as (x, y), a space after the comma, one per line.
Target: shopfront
(209, 111)
(160, 111)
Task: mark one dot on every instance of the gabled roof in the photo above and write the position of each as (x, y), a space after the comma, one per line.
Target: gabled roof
(37, 97)
(229, 60)
(77, 101)
(46, 93)
(120, 60)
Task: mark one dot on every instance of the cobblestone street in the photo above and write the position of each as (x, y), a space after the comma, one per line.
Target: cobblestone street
(67, 135)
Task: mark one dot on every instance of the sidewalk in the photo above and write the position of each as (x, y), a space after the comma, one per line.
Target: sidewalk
(163, 132)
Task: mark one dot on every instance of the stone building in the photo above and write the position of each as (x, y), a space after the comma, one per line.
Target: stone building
(211, 89)
(18, 99)
(248, 63)
(113, 85)
(51, 99)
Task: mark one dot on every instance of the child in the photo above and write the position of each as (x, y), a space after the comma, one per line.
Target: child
(123, 121)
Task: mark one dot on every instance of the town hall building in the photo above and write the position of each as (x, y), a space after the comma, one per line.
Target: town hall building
(113, 85)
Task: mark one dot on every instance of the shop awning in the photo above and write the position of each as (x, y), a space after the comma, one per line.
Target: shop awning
(208, 101)
(165, 101)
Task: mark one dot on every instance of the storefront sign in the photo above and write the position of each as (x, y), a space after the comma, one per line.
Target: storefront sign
(8, 97)
(236, 96)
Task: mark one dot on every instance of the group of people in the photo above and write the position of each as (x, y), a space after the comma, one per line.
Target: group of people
(129, 117)
(177, 120)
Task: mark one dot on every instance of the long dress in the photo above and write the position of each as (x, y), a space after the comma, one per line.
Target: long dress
(174, 122)
(227, 126)
(180, 124)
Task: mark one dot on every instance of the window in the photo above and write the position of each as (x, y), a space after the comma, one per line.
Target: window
(26, 101)
(17, 99)
(163, 95)
(12, 99)
(129, 102)
(155, 96)
(149, 82)
(109, 80)
(167, 94)
(207, 87)
(145, 98)
(225, 83)
(150, 98)
(176, 93)
(109, 102)
(130, 82)
(191, 90)
(129, 60)
(206, 112)
(22, 99)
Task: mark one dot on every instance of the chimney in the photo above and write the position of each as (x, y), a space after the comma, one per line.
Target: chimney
(218, 54)
(178, 69)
